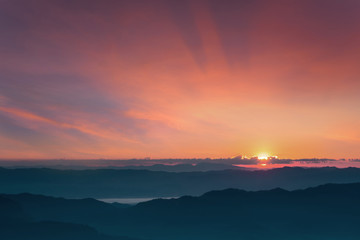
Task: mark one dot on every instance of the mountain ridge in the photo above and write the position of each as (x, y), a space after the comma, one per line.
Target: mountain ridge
(225, 214)
(114, 183)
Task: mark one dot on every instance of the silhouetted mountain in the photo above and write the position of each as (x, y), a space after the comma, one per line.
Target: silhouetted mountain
(330, 211)
(20, 230)
(111, 183)
(11, 210)
(59, 209)
(32, 217)
(326, 212)
(204, 166)
(170, 165)
(173, 165)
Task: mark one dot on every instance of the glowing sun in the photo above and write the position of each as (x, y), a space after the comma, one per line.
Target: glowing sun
(263, 156)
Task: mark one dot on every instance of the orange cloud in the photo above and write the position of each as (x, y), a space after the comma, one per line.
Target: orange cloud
(84, 128)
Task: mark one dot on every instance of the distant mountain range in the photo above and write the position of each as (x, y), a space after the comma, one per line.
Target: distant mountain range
(120, 183)
(330, 212)
(175, 165)
(156, 165)
(186, 167)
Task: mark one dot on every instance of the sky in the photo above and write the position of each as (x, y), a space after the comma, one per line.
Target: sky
(87, 79)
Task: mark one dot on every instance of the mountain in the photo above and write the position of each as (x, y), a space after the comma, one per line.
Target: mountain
(202, 166)
(121, 183)
(32, 217)
(86, 211)
(170, 165)
(20, 230)
(11, 210)
(330, 211)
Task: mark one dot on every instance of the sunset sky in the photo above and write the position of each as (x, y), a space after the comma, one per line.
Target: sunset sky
(179, 79)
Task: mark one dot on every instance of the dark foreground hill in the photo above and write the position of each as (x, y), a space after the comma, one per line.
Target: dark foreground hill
(18, 220)
(330, 212)
(111, 183)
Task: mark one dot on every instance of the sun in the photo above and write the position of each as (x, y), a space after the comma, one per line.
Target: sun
(263, 156)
